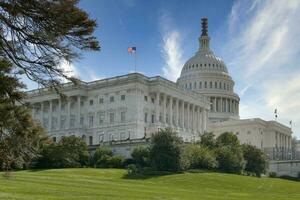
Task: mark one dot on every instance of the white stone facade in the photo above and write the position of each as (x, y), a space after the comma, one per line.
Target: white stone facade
(120, 108)
(129, 108)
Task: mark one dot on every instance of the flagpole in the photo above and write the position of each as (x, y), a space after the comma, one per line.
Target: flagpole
(135, 61)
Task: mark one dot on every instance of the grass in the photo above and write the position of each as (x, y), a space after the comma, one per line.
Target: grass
(112, 184)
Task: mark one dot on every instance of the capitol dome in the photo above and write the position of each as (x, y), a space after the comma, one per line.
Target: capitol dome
(207, 74)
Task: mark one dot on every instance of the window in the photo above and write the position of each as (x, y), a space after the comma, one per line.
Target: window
(195, 85)
(91, 140)
(101, 117)
(81, 120)
(123, 114)
(220, 85)
(91, 120)
(190, 85)
(101, 101)
(216, 85)
(145, 98)
(152, 118)
(111, 99)
(63, 122)
(91, 102)
(152, 100)
(111, 117)
(210, 84)
(101, 138)
(122, 97)
(81, 103)
(200, 85)
(145, 117)
(72, 121)
(205, 84)
(54, 139)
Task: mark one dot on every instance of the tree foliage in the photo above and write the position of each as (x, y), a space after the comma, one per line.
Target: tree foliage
(198, 157)
(37, 35)
(165, 150)
(256, 161)
(229, 153)
(68, 152)
(208, 140)
(20, 137)
(140, 156)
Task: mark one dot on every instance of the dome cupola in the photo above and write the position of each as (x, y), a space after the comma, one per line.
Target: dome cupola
(207, 74)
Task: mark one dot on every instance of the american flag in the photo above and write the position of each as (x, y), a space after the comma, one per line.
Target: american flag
(131, 49)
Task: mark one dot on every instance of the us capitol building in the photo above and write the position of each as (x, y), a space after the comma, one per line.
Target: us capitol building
(122, 112)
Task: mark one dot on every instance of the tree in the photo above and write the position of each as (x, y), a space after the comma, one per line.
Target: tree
(20, 137)
(229, 153)
(68, 152)
(256, 161)
(198, 157)
(165, 150)
(208, 140)
(101, 157)
(37, 35)
(140, 156)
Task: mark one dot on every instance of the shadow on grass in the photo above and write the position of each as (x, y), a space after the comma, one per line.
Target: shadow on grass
(290, 178)
(149, 175)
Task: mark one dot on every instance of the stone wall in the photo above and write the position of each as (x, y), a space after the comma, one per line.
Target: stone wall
(285, 168)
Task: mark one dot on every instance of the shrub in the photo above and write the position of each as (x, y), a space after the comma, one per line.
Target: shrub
(115, 162)
(69, 152)
(230, 159)
(140, 156)
(101, 156)
(256, 161)
(198, 157)
(132, 169)
(208, 140)
(165, 151)
(272, 174)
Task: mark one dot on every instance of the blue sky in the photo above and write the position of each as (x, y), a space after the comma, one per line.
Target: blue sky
(258, 40)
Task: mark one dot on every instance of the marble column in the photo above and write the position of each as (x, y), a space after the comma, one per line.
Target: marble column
(79, 111)
(177, 113)
(215, 104)
(157, 108)
(192, 117)
(42, 113)
(182, 115)
(69, 111)
(164, 108)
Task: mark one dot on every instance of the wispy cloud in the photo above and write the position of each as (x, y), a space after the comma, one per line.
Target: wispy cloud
(263, 44)
(69, 69)
(172, 51)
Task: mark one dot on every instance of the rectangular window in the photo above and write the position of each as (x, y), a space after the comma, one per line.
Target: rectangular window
(101, 116)
(146, 116)
(152, 118)
(81, 120)
(123, 97)
(101, 138)
(91, 120)
(145, 98)
(91, 102)
(72, 121)
(54, 139)
(91, 140)
(101, 101)
(111, 117)
(152, 100)
(111, 99)
(123, 116)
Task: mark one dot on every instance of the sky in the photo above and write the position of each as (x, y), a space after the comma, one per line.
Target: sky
(258, 40)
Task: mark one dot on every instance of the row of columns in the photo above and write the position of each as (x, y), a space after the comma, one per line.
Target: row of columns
(222, 104)
(284, 141)
(181, 113)
(50, 113)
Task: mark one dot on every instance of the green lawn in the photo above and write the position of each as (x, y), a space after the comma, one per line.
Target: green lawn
(111, 184)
